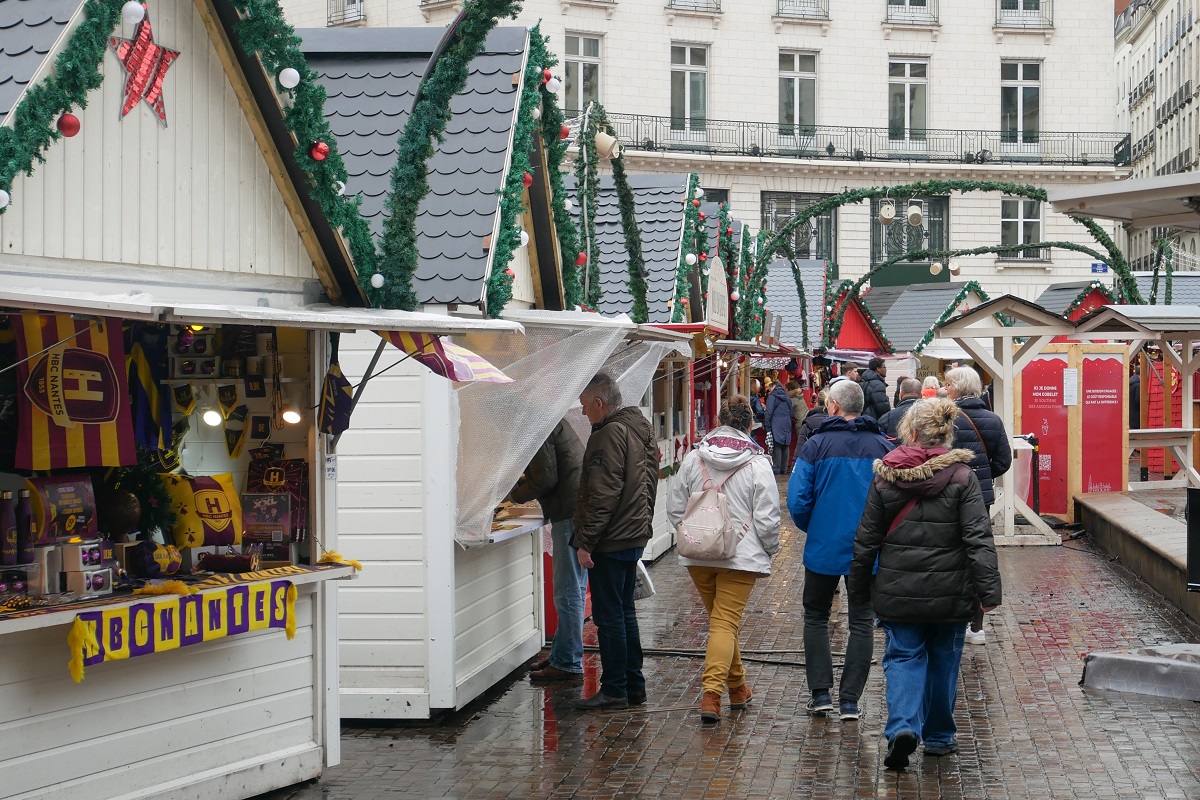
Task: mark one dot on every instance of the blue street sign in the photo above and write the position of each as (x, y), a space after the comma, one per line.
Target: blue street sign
(1099, 266)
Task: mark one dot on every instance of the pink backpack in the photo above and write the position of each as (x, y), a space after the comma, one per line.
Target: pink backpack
(706, 532)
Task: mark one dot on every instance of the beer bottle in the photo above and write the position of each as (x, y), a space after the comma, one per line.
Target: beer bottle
(8, 530)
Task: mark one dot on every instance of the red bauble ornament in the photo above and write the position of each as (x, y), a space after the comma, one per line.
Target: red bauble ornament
(564, 133)
(581, 259)
(546, 75)
(527, 180)
(729, 231)
(68, 125)
(704, 256)
(696, 203)
(319, 151)
(702, 217)
(509, 272)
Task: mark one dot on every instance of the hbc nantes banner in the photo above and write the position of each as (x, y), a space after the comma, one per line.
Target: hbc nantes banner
(73, 402)
(171, 622)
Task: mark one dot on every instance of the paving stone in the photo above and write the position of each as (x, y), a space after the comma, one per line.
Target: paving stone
(1026, 728)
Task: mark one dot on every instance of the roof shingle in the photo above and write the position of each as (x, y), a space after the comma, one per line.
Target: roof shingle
(28, 31)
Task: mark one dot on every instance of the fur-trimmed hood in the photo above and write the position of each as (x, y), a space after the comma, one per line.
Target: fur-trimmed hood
(921, 470)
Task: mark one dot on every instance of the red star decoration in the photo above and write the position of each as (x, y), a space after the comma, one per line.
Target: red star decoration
(146, 66)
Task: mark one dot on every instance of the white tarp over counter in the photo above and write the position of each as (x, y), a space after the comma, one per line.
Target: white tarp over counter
(501, 426)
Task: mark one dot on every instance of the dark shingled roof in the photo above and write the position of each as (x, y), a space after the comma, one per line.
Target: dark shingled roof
(912, 312)
(784, 301)
(1185, 288)
(1058, 297)
(28, 30)
(658, 207)
(371, 76)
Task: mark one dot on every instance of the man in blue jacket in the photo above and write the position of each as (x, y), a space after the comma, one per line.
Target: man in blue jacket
(826, 495)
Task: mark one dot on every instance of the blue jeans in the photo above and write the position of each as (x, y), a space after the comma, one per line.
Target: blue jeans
(620, 641)
(570, 587)
(921, 664)
(817, 597)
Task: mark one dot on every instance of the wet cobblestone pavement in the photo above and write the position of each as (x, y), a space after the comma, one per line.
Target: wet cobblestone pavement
(1026, 728)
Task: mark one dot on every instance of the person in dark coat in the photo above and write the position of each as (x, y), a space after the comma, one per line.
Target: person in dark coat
(874, 386)
(1135, 401)
(552, 478)
(910, 392)
(614, 518)
(937, 566)
(799, 412)
(756, 403)
(981, 432)
(779, 423)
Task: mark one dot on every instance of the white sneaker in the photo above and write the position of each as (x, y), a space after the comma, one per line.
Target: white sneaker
(976, 637)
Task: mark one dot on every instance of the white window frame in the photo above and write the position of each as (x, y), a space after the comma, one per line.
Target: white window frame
(908, 141)
(1022, 13)
(793, 135)
(688, 132)
(1020, 83)
(909, 11)
(580, 60)
(1021, 220)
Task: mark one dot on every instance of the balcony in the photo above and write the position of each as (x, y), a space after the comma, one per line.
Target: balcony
(346, 12)
(804, 9)
(922, 13)
(1025, 14)
(707, 9)
(840, 143)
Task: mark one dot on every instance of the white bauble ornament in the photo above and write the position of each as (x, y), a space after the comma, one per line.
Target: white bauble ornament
(133, 12)
(289, 78)
(690, 259)
(699, 193)
(339, 187)
(377, 280)
(536, 113)
(553, 85)
(707, 271)
(735, 296)
(524, 238)
(569, 203)
(5, 199)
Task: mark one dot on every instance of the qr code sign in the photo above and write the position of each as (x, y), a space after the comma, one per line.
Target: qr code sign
(1043, 462)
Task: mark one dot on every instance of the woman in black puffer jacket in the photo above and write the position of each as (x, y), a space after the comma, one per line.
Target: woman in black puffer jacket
(926, 523)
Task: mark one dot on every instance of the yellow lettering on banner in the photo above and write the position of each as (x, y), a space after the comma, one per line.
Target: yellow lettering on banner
(88, 650)
(260, 617)
(191, 624)
(116, 634)
(215, 622)
(279, 604)
(140, 627)
(239, 609)
(167, 628)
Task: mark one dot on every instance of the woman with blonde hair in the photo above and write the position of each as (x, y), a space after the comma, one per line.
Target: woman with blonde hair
(930, 386)
(926, 525)
(728, 458)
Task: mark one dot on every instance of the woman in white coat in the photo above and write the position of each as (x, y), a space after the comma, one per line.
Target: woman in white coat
(752, 496)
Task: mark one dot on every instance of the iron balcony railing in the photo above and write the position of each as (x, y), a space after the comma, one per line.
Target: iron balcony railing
(804, 9)
(1024, 13)
(342, 12)
(695, 5)
(912, 12)
(836, 142)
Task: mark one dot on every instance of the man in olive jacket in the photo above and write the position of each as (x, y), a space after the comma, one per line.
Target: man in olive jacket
(552, 478)
(613, 522)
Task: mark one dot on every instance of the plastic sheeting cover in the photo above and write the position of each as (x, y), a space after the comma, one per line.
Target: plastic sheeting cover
(1171, 670)
(501, 426)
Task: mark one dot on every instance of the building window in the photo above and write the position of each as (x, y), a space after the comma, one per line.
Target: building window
(1020, 102)
(797, 94)
(912, 11)
(908, 100)
(582, 72)
(1021, 223)
(893, 241)
(815, 239)
(689, 88)
(715, 195)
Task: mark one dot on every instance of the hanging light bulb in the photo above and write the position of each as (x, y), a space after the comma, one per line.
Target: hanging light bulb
(212, 417)
(291, 411)
(915, 217)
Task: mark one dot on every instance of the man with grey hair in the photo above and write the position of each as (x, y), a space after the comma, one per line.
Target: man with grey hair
(826, 496)
(614, 518)
(910, 392)
(982, 432)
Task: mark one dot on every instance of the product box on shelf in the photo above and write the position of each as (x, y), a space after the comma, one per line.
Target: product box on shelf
(64, 507)
(82, 556)
(267, 520)
(47, 578)
(96, 581)
(19, 580)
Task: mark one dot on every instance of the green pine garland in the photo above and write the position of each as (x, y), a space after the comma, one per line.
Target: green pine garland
(691, 216)
(727, 251)
(702, 258)
(555, 145)
(587, 176)
(1161, 251)
(1114, 258)
(754, 288)
(740, 285)
(426, 124)
(640, 312)
(799, 280)
(1094, 286)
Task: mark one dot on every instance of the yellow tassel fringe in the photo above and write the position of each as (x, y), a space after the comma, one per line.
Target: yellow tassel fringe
(81, 638)
(290, 628)
(167, 587)
(334, 557)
